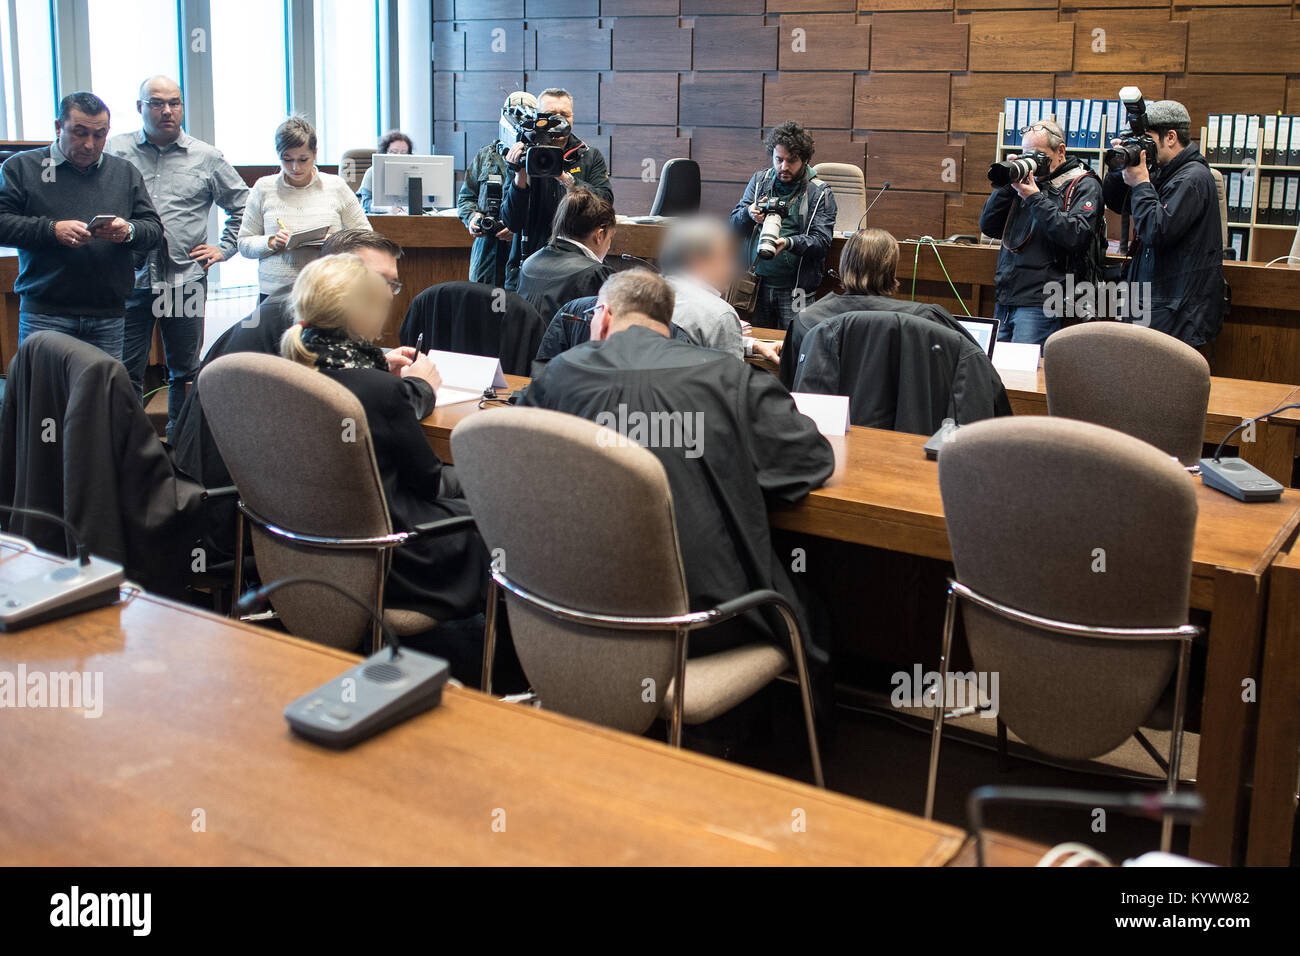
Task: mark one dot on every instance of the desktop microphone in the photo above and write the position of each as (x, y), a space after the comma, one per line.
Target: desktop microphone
(385, 689)
(948, 429)
(1180, 807)
(873, 202)
(69, 588)
(1236, 477)
(645, 262)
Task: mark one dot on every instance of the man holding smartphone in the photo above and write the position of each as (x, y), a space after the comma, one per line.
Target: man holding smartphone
(72, 278)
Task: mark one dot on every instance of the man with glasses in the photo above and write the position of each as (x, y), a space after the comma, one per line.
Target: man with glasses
(1047, 228)
(185, 178)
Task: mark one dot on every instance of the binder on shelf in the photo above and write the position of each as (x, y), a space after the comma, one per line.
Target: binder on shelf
(1076, 124)
(1292, 195)
(1293, 146)
(1062, 110)
(1226, 123)
(1247, 193)
(1234, 196)
(1049, 107)
(1278, 211)
(1283, 138)
(1009, 122)
(1022, 118)
(1211, 143)
(1268, 133)
(1035, 112)
(1238, 138)
(1265, 199)
(1252, 140)
(1094, 123)
(1121, 118)
(1237, 243)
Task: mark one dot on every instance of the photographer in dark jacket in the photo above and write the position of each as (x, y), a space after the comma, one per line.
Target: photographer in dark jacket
(528, 204)
(799, 266)
(1046, 228)
(1178, 254)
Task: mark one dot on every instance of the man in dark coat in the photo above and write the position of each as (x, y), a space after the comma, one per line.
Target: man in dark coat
(750, 448)
(1177, 265)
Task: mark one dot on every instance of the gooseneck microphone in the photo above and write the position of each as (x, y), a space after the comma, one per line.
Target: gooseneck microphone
(949, 424)
(83, 556)
(257, 600)
(873, 202)
(1237, 477)
(645, 262)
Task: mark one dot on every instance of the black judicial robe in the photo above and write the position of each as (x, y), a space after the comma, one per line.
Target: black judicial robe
(560, 272)
(757, 451)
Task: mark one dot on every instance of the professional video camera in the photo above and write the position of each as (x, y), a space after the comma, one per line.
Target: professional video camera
(489, 205)
(774, 210)
(545, 134)
(1138, 142)
(1017, 170)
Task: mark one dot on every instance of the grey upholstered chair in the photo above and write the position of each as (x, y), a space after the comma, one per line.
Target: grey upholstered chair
(353, 166)
(584, 545)
(298, 448)
(1072, 546)
(850, 189)
(1131, 378)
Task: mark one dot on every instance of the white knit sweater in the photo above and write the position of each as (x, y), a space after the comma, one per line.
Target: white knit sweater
(326, 200)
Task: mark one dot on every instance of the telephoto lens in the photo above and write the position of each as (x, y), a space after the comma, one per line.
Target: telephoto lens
(1017, 170)
(768, 236)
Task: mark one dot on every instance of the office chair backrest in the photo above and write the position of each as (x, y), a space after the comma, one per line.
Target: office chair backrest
(1077, 523)
(849, 187)
(298, 448)
(1223, 203)
(353, 166)
(477, 319)
(1133, 379)
(679, 189)
(588, 524)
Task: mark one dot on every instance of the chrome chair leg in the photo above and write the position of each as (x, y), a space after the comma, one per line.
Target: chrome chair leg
(937, 732)
(489, 636)
(1176, 741)
(679, 689)
(805, 691)
(239, 564)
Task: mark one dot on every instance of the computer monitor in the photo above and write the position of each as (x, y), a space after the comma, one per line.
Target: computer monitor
(394, 172)
(983, 331)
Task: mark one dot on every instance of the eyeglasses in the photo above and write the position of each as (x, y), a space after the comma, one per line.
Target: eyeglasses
(588, 314)
(1037, 127)
(159, 104)
(394, 286)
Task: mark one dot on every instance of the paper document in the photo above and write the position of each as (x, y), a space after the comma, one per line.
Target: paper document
(465, 377)
(829, 412)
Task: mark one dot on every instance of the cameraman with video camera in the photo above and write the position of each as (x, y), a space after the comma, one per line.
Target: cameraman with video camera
(479, 203)
(545, 161)
(796, 215)
(1047, 210)
(1164, 182)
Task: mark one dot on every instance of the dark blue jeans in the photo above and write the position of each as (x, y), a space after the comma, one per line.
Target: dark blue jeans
(775, 309)
(100, 331)
(1024, 324)
(179, 314)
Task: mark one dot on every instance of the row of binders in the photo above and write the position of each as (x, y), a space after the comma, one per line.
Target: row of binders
(1239, 243)
(1087, 124)
(1279, 201)
(1244, 138)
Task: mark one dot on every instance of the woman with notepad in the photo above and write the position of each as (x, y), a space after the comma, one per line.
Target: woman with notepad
(289, 214)
(340, 306)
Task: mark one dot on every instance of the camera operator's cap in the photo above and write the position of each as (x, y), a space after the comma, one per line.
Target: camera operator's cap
(519, 98)
(1168, 114)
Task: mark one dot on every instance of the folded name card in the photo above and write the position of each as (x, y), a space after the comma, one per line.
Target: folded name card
(1016, 356)
(465, 377)
(830, 412)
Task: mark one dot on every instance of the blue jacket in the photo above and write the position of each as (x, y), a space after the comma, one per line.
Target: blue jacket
(812, 240)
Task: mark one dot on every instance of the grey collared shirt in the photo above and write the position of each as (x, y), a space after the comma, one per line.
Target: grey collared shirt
(185, 180)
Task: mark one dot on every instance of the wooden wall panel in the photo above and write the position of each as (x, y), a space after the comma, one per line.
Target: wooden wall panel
(1020, 42)
(812, 99)
(902, 41)
(828, 42)
(721, 99)
(1131, 41)
(902, 101)
(908, 89)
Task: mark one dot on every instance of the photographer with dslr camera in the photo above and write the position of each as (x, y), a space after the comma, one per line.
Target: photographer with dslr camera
(1162, 179)
(1047, 210)
(545, 161)
(796, 215)
(479, 203)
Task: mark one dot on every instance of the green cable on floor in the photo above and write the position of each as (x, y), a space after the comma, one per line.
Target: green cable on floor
(148, 395)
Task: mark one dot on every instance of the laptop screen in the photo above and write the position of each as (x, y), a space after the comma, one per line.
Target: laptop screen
(983, 331)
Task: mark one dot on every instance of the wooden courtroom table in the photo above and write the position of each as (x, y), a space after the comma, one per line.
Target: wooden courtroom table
(885, 494)
(193, 728)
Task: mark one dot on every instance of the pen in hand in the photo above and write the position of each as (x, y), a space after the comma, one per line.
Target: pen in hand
(419, 341)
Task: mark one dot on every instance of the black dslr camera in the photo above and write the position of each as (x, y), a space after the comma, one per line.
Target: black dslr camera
(1017, 170)
(489, 206)
(775, 210)
(544, 133)
(1138, 143)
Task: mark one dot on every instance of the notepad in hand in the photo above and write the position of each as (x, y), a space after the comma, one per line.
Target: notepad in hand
(307, 237)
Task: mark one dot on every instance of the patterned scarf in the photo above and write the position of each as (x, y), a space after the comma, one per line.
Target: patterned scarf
(337, 348)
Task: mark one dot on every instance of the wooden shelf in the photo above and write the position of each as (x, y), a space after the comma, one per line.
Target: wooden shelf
(1250, 226)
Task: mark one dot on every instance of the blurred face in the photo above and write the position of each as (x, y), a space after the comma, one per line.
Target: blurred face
(787, 165)
(81, 138)
(1038, 139)
(299, 165)
(367, 310)
(398, 146)
(382, 264)
(162, 110)
(556, 104)
(719, 268)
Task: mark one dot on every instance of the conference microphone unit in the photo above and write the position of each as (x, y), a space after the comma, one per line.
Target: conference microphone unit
(1237, 477)
(645, 262)
(948, 429)
(385, 689)
(72, 586)
(873, 202)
